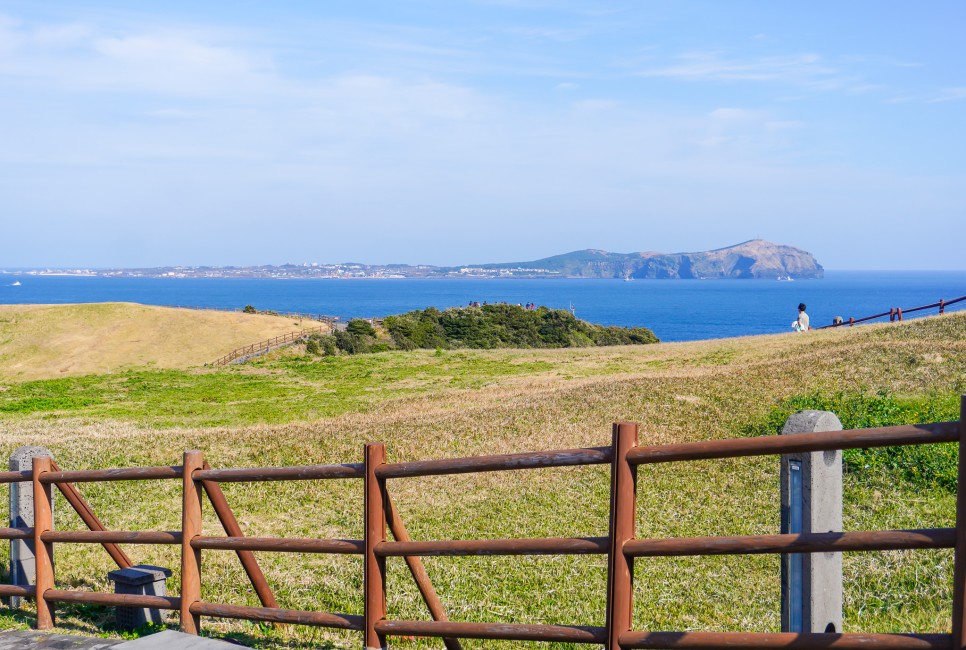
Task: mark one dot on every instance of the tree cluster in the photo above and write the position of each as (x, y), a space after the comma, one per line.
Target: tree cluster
(485, 327)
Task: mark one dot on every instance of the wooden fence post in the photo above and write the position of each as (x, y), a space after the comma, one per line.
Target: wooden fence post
(623, 503)
(375, 533)
(190, 528)
(43, 551)
(959, 561)
(942, 306)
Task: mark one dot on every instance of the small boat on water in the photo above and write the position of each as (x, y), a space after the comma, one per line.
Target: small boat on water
(16, 284)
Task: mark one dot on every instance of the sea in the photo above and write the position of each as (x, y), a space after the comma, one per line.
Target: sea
(675, 310)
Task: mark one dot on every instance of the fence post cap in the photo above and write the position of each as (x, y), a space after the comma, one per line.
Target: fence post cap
(139, 574)
(20, 458)
(811, 421)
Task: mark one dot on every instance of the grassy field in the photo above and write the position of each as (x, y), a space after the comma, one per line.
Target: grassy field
(292, 409)
(45, 341)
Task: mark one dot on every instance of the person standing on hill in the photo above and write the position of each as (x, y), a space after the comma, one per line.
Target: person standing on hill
(801, 325)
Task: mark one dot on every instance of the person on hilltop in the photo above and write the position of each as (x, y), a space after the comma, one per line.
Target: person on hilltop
(801, 323)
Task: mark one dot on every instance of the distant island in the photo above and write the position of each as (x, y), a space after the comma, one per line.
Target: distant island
(754, 259)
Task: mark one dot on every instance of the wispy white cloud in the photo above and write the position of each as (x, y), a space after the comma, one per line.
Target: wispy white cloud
(809, 72)
(361, 122)
(83, 57)
(952, 94)
(714, 66)
(173, 63)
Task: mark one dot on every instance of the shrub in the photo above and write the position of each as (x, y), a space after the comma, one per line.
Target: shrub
(351, 343)
(503, 325)
(360, 327)
(924, 466)
(249, 309)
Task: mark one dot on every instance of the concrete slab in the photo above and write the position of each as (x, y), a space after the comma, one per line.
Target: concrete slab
(167, 640)
(171, 640)
(34, 640)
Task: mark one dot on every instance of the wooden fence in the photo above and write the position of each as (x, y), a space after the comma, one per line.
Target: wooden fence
(269, 344)
(322, 318)
(380, 514)
(896, 313)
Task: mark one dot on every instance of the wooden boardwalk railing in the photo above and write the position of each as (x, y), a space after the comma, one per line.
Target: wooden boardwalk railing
(380, 516)
(269, 344)
(896, 313)
(322, 318)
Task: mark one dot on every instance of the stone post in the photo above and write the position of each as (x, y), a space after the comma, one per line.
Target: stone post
(811, 502)
(23, 567)
(140, 580)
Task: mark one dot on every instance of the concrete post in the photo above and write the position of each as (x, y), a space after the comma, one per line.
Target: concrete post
(23, 564)
(140, 580)
(811, 502)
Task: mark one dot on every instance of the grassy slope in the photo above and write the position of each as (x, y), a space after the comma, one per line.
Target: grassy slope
(43, 341)
(426, 406)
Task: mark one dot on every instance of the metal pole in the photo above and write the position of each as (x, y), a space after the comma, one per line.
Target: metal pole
(190, 557)
(620, 568)
(43, 551)
(375, 533)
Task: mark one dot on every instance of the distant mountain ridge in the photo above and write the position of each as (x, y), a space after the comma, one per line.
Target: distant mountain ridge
(753, 259)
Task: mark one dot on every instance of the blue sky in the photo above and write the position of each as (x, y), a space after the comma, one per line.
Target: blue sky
(422, 131)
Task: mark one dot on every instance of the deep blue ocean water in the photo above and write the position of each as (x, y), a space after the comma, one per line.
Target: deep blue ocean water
(676, 310)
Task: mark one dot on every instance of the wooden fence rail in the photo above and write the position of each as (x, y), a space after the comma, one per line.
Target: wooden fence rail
(269, 344)
(381, 517)
(896, 313)
(322, 318)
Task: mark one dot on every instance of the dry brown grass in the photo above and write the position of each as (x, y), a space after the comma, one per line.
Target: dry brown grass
(678, 392)
(46, 341)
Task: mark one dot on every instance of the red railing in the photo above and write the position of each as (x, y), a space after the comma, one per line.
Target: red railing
(269, 344)
(381, 516)
(896, 313)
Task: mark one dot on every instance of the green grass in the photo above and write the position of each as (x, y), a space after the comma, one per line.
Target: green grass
(275, 391)
(922, 467)
(295, 410)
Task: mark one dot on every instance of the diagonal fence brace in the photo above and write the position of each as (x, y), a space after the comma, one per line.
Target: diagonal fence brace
(416, 567)
(86, 513)
(233, 529)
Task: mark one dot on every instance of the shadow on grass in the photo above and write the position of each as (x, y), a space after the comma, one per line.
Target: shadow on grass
(98, 621)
